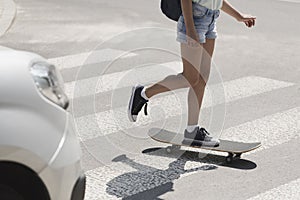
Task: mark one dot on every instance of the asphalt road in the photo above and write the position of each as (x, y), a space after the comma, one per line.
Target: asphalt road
(102, 48)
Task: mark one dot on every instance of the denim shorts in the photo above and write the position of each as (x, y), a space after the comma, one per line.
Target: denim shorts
(205, 24)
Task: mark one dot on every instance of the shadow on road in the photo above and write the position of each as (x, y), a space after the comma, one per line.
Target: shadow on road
(204, 158)
(148, 182)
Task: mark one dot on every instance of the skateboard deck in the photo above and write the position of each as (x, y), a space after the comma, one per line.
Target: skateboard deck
(234, 149)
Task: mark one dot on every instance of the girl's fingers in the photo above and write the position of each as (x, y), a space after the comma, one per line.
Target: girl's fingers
(191, 43)
(250, 22)
(249, 18)
(195, 44)
(253, 22)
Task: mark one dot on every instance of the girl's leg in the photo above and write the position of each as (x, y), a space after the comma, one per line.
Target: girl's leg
(191, 58)
(194, 104)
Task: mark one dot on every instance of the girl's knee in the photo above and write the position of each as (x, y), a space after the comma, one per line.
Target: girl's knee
(201, 82)
(192, 79)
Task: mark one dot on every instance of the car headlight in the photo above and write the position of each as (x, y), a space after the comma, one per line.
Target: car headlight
(49, 83)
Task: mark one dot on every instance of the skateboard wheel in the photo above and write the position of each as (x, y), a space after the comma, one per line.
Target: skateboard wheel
(229, 159)
(238, 155)
(201, 155)
(169, 150)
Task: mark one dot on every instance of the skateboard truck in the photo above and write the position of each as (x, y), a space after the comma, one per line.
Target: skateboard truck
(172, 148)
(228, 159)
(232, 156)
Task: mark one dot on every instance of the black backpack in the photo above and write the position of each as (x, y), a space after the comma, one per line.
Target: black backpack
(171, 8)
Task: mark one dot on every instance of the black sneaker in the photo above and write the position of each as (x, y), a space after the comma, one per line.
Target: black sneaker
(136, 103)
(200, 137)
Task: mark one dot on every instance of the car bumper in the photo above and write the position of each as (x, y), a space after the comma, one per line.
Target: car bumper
(64, 176)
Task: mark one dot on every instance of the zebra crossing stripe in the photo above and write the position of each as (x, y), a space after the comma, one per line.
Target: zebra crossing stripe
(149, 74)
(93, 57)
(108, 82)
(291, 1)
(288, 191)
(8, 10)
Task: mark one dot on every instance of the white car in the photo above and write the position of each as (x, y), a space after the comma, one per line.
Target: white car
(40, 156)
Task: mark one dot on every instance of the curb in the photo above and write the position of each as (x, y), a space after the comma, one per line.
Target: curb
(7, 15)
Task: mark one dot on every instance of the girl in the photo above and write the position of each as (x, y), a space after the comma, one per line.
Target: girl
(196, 32)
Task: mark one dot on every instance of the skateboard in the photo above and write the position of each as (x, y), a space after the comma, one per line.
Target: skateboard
(234, 149)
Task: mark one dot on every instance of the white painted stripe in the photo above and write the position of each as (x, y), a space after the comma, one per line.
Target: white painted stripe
(3, 48)
(291, 1)
(7, 15)
(288, 191)
(272, 130)
(107, 82)
(93, 57)
(153, 73)
(170, 106)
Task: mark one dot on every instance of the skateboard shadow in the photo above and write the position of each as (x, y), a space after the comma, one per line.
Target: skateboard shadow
(219, 160)
(147, 182)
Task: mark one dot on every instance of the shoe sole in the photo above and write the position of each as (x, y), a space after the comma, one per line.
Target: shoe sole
(130, 117)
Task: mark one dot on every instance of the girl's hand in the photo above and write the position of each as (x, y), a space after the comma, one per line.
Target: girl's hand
(249, 20)
(192, 37)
